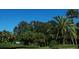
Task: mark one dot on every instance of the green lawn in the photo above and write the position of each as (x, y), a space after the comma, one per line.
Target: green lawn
(65, 46)
(17, 46)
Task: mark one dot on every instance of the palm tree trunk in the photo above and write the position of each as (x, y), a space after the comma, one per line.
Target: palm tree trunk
(72, 41)
(57, 35)
(63, 36)
(63, 41)
(75, 41)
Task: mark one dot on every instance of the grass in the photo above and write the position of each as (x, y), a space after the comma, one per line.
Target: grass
(9, 45)
(46, 47)
(65, 46)
(15, 46)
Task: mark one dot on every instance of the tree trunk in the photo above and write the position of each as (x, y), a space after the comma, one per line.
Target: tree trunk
(63, 41)
(72, 41)
(75, 41)
(57, 35)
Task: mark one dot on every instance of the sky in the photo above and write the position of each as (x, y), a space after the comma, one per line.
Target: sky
(9, 18)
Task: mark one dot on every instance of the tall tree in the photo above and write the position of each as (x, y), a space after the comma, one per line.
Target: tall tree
(64, 25)
(71, 13)
(22, 27)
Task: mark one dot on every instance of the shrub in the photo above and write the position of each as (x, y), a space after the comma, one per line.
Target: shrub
(53, 44)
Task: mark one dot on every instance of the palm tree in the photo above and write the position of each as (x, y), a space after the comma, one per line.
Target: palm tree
(62, 27)
(71, 13)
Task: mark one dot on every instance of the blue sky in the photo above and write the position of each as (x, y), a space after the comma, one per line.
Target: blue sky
(9, 18)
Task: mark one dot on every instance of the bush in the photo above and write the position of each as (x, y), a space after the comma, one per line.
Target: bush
(53, 44)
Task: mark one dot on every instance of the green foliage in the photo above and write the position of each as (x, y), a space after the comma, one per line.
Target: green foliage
(71, 13)
(53, 44)
(60, 32)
